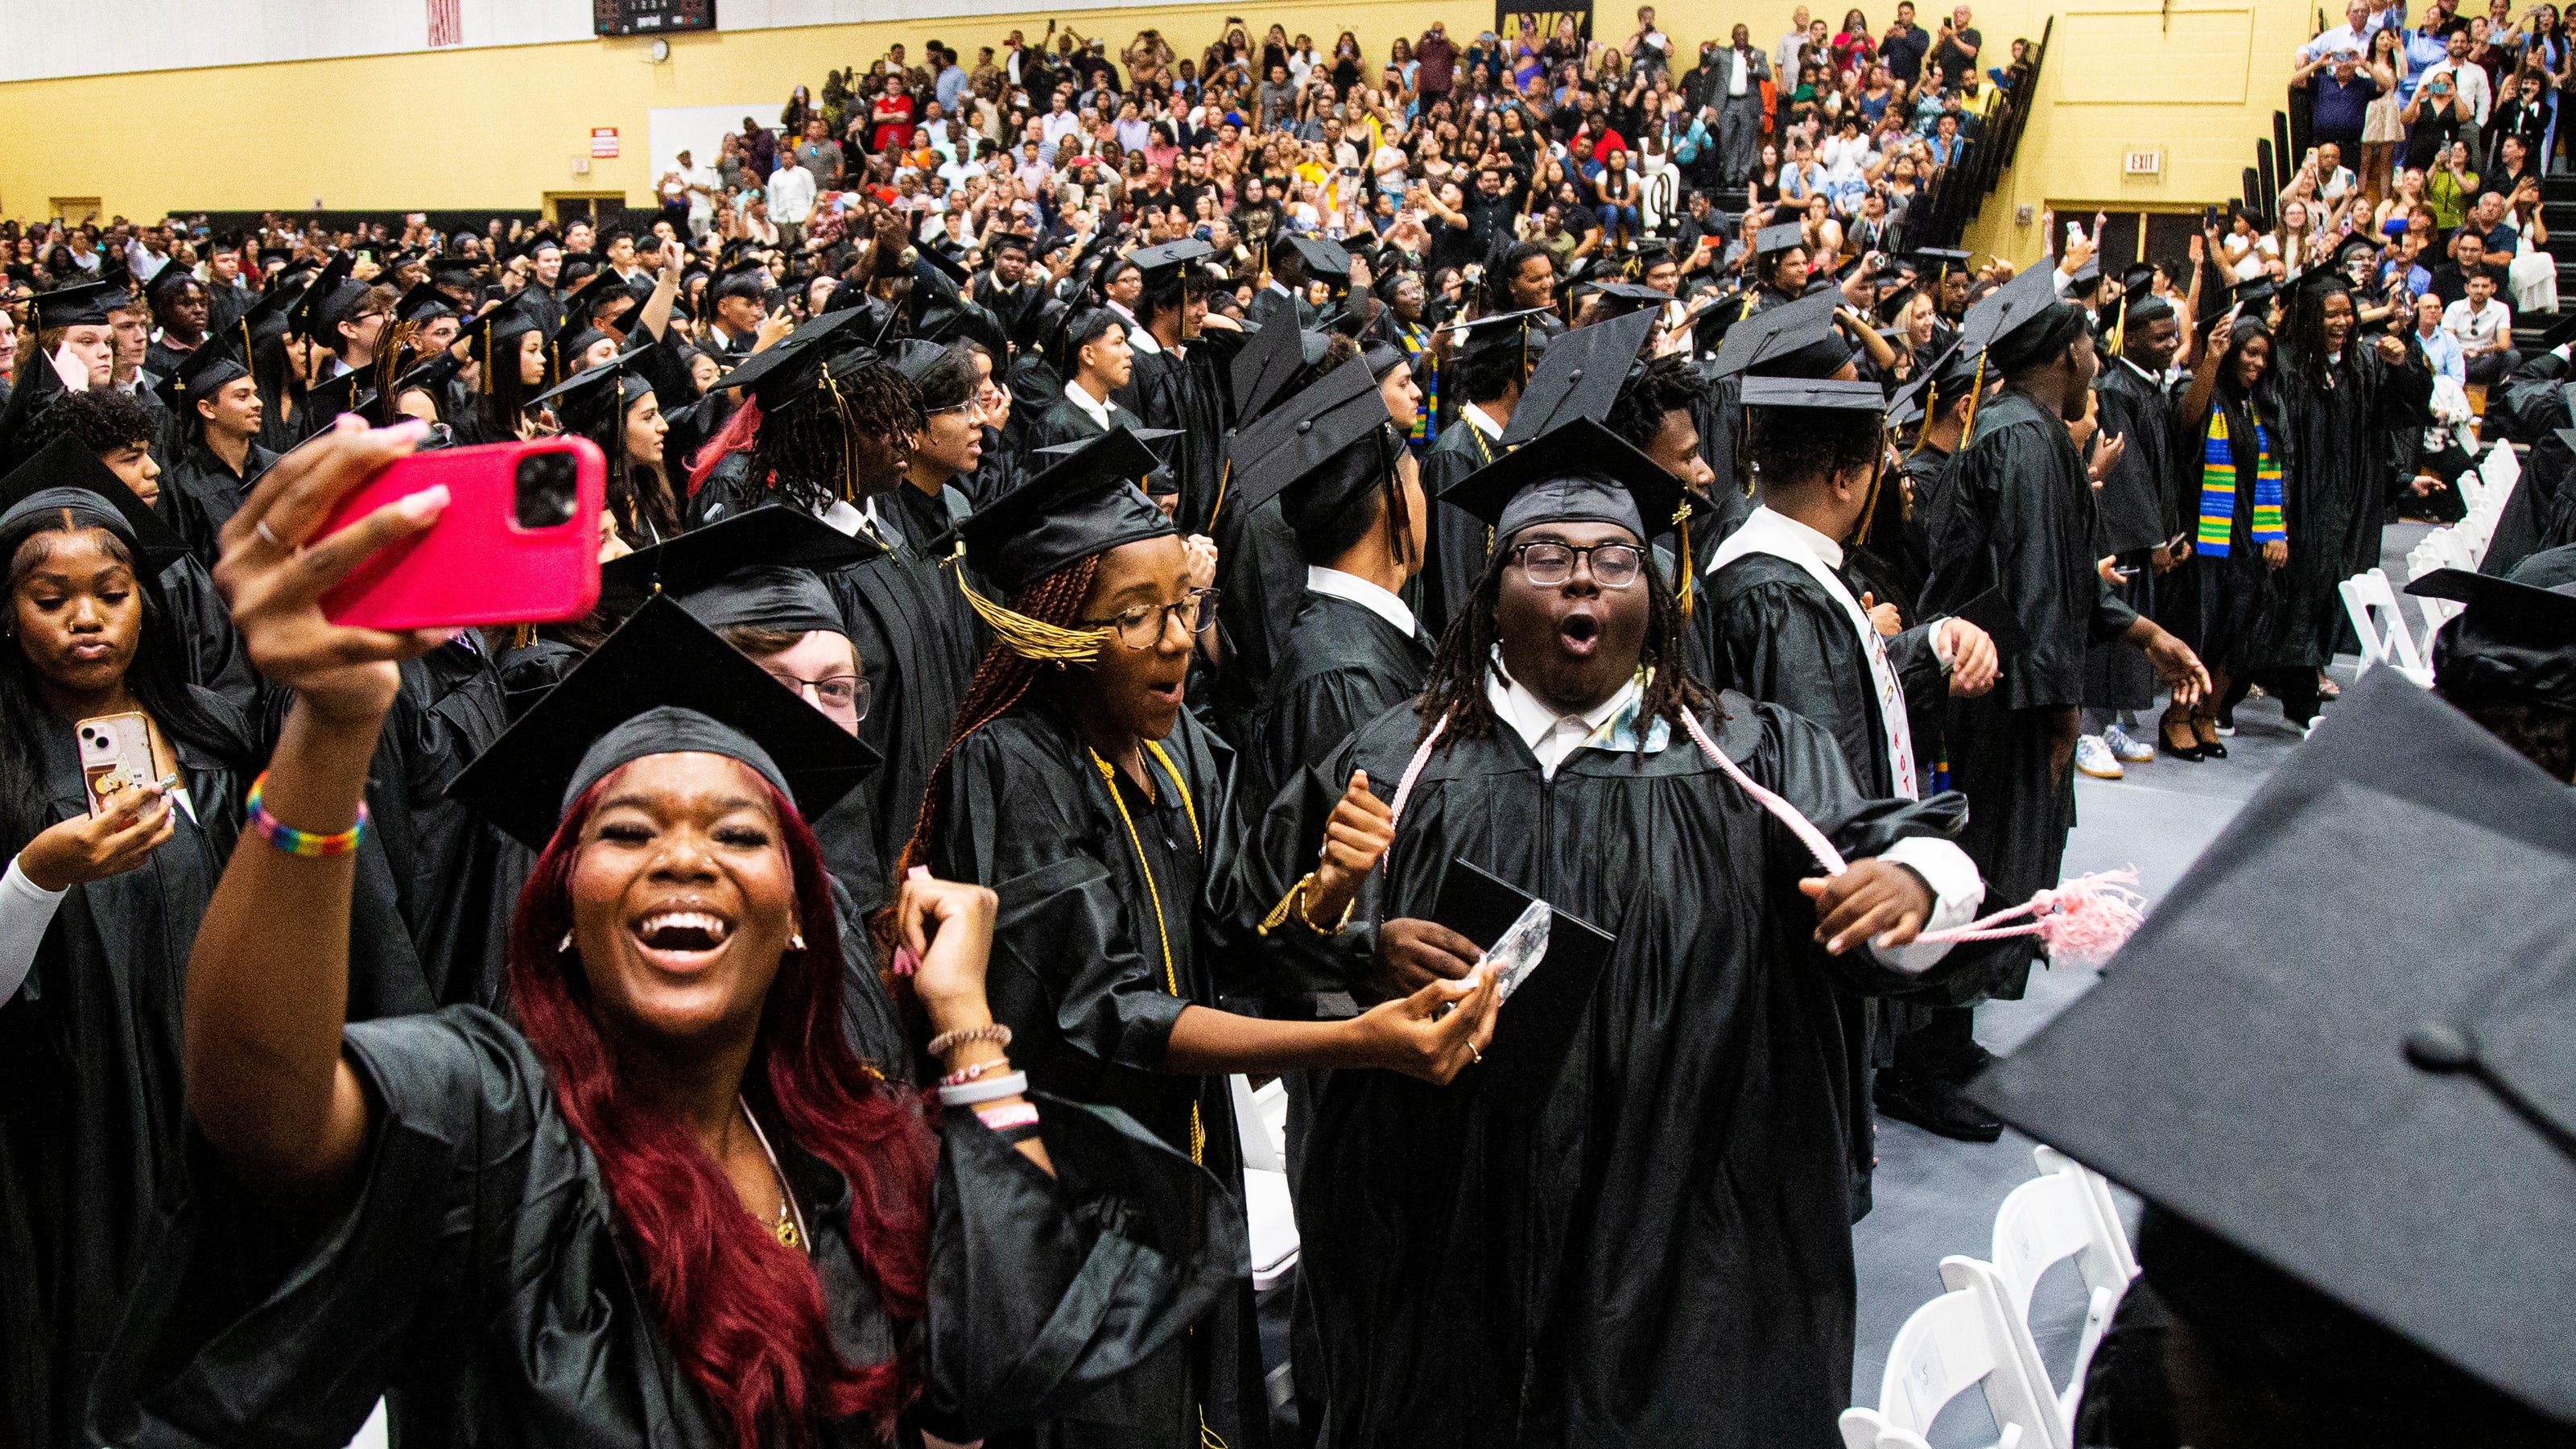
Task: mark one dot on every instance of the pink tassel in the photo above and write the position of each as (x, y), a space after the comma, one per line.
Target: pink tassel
(2082, 922)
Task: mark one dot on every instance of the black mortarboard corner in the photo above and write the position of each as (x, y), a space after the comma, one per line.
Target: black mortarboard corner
(1163, 265)
(2253, 295)
(1263, 371)
(321, 307)
(1934, 383)
(496, 334)
(1316, 437)
(83, 304)
(2344, 1045)
(1577, 472)
(424, 303)
(747, 553)
(663, 683)
(2516, 641)
(1793, 339)
(1940, 261)
(67, 463)
(588, 400)
(1324, 261)
(1771, 241)
(1481, 335)
(1087, 504)
(2023, 322)
(198, 375)
(1813, 392)
(1580, 376)
(792, 366)
(1618, 299)
(1534, 1030)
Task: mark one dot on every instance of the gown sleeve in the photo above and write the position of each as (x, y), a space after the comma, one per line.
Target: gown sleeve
(1013, 823)
(1042, 1290)
(240, 1331)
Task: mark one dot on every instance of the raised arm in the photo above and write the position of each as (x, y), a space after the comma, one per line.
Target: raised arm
(270, 973)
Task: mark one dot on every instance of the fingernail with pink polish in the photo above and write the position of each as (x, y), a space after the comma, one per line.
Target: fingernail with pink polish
(425, 505)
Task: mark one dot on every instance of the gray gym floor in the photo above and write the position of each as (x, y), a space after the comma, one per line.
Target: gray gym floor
(1935, 1197)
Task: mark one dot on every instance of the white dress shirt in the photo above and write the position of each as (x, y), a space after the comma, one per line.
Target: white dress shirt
(1363, 593)
(1482, 423)
(1550, 736)
(1097, 409)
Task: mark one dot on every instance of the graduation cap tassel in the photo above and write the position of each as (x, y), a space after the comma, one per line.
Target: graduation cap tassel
(1931, 410)
(483, 374)
(1682, 595)
(1877, 481)
(1035, 639)
(1976, 390)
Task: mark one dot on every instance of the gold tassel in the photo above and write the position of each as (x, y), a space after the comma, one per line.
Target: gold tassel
(1035, 638)
(1931, 409)
(483, 375)
(1223, 477)
(1690, 565)
(1877, 481)
(523, 636)
(1976, 390)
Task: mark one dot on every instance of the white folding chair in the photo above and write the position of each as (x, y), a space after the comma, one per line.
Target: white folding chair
(2065, 1212)
(1961, 1338)
(2473, 490)
(2372, 605)
(2500, 469)
(1261, 1126)
(371, 1435)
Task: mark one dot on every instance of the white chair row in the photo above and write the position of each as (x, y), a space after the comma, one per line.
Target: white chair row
(1261, 1127)
(1978, 1333)
(2371, 602)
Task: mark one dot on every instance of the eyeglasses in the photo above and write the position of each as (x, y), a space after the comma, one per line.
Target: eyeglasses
(1143, 626)
(833, 694)
(1614, 565)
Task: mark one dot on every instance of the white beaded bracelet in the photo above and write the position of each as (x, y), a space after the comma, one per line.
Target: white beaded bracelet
(970, 1093)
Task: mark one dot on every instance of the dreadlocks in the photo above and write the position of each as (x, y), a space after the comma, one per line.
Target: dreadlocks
(1001, 681)
(810, 452)
(1455, 689)
(1668, 385)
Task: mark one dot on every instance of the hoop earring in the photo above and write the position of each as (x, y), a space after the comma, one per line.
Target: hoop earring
(795, 940)
(564, 945)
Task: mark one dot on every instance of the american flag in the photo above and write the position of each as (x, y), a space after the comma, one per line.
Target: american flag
(446, 26)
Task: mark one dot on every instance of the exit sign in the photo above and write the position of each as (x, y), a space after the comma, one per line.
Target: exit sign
(2144, 163)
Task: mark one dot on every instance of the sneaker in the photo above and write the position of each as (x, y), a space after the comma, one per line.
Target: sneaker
(1937, 1107)
(2094, 758)
(2126, 747)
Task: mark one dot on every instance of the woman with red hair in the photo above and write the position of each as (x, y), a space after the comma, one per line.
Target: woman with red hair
(662, 1203)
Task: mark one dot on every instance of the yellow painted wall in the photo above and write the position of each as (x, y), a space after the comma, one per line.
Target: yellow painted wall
(500, 127)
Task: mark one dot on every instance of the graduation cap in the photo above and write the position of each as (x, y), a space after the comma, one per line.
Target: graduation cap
(1577, 472)
(166, 282)
(739, 279)
(428, 375)
(68, 463)
(1581, 375)
(593, 397)
(199, 374)
(793, 364)
(2387, 1133)
(1771, 241)
(2253, 295)
(1160, 483)
(1945, 377)
(2516, 641)
(2022, 322)
(1087, 503)
(497, 333)
(1618, 299)
(83, 304)
(345, 392)
(1324, 261)
(1163, 265)
(1793, 339)
(732, 572)
(318, 309)
(1265, 368)
(1939, 261)
(1478, 337)
(1813, 392)
(423, 303)
(1306, 432)
(663, 683)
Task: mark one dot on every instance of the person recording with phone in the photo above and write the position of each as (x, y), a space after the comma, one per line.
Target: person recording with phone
(121, 790)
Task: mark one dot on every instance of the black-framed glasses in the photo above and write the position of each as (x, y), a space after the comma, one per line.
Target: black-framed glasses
(1143, 626)
(1614, 565)
(834, 694)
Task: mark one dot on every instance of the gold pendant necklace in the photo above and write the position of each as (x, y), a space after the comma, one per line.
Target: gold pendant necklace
(790, 1227)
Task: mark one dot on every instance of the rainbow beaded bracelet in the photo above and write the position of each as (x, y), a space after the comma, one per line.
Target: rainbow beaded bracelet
(299, 842)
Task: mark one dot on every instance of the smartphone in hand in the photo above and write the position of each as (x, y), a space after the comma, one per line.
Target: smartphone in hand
(517, 544)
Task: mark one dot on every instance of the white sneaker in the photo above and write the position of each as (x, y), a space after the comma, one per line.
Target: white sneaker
(2127, 747)
(2094, 758)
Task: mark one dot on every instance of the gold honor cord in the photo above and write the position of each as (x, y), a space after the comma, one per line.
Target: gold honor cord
(1208, 1438)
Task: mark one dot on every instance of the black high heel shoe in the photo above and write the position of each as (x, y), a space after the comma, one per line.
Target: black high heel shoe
(2166, 746)
(2212, 748)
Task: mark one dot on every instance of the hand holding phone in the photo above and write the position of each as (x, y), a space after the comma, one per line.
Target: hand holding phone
(515, 543)
(101, 844)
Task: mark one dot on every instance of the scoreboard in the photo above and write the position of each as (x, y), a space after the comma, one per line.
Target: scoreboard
(651, 17)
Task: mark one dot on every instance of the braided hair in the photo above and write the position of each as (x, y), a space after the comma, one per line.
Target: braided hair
(1455, 690)
(1001, 681)
(808, 452)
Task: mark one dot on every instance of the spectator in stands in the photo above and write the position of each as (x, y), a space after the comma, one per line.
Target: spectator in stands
(2468, 261)
(2522, 123)
(2433, 335)
(1435, 65)
(1738, 92)
(1955, 47)
(2483, 327)
(1904, 46)
(2426, 45)
(2383, 129)
(2340, 90)
(791, 198)
(2453, 186)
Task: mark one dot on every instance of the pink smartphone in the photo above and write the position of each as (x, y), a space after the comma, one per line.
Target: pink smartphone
(518, 544)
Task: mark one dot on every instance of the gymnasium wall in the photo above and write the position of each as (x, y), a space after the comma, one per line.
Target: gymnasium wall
(283, 115)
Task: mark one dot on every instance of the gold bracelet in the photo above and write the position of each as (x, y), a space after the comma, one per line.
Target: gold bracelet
(1293, 904)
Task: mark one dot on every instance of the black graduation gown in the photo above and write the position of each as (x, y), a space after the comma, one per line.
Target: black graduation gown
(2337, 481)
(1091, 967)
(2016, 515)
(2540, 512)
(1001, 469)
(1064, 422)
(452, 876)
(90, 1089)
(216, 658)
(1459, 540)
(482, 1283)
(1188, 393)
(1897, 558)
(205, 493)
(2241, 617)
(1261, 579)
(918, 642)
(1660, 1253)
(1345, 665)
(2135, 510)
(1774, 634)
